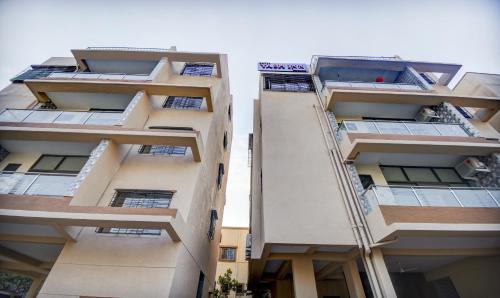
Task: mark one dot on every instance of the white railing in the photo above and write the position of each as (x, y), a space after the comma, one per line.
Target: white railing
(404, 128)
(61, 117)
(435, 196)
(99, 76)
(43, 184)
(368, 85)
(132, 49)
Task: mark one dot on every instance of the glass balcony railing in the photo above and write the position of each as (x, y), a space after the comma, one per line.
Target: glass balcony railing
(99, 76)
(369, 85)
(404, 128)
(43, 184)
(61, 117)
(434, 196)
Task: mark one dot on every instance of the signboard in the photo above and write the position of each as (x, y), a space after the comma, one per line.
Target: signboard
(283, 67)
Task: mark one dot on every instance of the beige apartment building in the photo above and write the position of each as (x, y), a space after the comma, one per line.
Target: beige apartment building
(233, 255)
(372, 178)
(114, 167)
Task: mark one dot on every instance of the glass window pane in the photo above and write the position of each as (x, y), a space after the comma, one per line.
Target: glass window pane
(448, 175)
(393, 174)
(47, 163)
(420, 175)
(73, 163)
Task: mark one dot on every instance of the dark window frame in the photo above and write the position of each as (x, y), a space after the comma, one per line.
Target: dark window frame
(288, 83)
(16, 166)
(212, 224)
(198, 69)
(221, 249)
(163, 150)
(220, 175)
(224, 140)
(40, 71)
(422, 183)
(33, 170)
(201, 283)
(183, 102)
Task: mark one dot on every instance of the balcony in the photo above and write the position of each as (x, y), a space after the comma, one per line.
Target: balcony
(404, 128)
(371, 85)
(42, 184)
(100, 76)
(60, 117)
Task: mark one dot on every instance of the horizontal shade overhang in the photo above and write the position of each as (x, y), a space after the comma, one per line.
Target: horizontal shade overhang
(121, 54)
(41, 210)
(91, 133)
(40, 87)
(423, 98)
(418, 145)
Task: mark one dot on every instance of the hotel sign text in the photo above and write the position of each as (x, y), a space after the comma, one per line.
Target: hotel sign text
(283, 67)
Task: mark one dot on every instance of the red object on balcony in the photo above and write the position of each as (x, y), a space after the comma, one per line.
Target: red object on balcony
(379, 79)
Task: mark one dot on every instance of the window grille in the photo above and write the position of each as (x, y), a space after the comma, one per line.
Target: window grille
(220, 175)
(162, 150)
(213, 220)
(183, 103)
(138, 199)
(40, 71)
(227, 254)
(198, 69)
(288, 83)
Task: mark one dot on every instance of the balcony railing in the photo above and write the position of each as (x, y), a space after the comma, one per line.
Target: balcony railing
(99, 76)
(434, 196)
(404, 128)
(43, 184)
(61, 117)
(131, 49)
(368, 85)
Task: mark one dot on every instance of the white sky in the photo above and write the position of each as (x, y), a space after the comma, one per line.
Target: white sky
(250, 31)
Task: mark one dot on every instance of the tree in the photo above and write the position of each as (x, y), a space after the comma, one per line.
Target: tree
(227, 284)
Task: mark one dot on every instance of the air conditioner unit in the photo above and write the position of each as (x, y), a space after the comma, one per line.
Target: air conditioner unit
(426, 115)
(470, 167)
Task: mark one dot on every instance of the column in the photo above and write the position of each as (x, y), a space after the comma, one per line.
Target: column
(353, 280)
(383, 276)
(304, 282)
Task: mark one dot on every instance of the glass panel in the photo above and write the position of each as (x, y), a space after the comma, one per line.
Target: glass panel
(14, 183)
(14, 115)
(47, 163)
(51, 185)
(448, 175)
(496, 195)
(393, 174)
(475, 198)
(104, 118)
(392, 128)
(437, 197)
(451, 130)
(361, 126)
(72, 164)
(396, 196)
(422, 129)
(72, 117)
(420, 175)
(42, 116)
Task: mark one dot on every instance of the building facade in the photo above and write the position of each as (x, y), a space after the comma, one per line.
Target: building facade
(232, 255)
(114, 167)
(372, 178)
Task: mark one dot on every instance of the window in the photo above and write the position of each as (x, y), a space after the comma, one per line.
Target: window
(183, 103)
(198, 69)
(366, 180)
(59, 164)
(211, 227)
(464, 112)
(288, 83)
(162, 150)
(138, 199)
(224, 140)
(11, 167)
(427, 78)
(220, 175)
(422, 176)
(199, 289)
(229, 112)
(40, 71)
(227, 254)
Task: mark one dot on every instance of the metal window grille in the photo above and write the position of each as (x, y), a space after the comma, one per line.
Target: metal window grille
(183, 103)
(220, 175)
(288, 83)
(138, 199)
(162, 150)
(213, 220)
(228, 254)
(198, 69)
(40, 71)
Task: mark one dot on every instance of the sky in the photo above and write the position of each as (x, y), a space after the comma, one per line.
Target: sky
(464, 32)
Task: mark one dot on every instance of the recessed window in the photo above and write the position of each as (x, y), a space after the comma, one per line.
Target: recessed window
(288, 83)
(424, 176)
(138, 199)
(224, 140)
(11, 167)
(162, 150)
(230, 112)
(40, 71)
(59, 164)
(220, 175)
(183, 103)
(198, 69)
(366, 180)
(227, 254)
(199, 289)
(213, 220)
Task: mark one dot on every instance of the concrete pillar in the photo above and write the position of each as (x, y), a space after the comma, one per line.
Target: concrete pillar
(383, 276)
(35, 287)
(304, 282)
(353, 280)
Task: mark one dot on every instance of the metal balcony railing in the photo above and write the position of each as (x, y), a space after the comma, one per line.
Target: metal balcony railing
(99, 76)
(368, 85)
(43, 184)
(435, 196)
(61, 117)
(404, 128)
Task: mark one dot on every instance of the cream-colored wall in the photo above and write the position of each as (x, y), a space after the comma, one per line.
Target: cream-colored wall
(16, 96)
(472, 277)
(234, 237)
(374, 171)
(27, 160)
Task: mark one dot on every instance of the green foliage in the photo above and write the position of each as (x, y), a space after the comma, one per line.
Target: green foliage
(15, 283)
(227, 284)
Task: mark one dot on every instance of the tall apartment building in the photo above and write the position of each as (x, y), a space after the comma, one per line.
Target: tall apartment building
(114, 166)
(372, 178)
